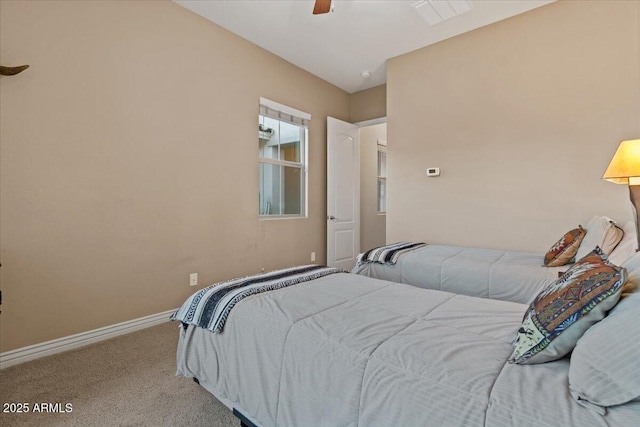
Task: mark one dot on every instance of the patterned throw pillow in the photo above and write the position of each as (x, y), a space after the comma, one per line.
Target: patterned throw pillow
(565, 309)
(563, 251)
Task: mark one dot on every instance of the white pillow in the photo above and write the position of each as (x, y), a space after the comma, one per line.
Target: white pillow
(627, 246)
(605, 364)
(602, 232)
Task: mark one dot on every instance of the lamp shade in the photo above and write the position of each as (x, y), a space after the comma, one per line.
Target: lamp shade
(624, 167)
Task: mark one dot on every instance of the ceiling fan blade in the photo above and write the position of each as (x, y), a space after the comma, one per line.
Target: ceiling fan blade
(322, 6)
(11, 71)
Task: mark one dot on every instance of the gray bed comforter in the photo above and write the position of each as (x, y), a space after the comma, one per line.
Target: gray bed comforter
(347, 350)
(486, 273)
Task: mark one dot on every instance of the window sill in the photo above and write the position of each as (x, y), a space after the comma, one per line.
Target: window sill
(275, 217)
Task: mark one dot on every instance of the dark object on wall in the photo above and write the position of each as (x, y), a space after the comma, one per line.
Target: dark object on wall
(11, 71)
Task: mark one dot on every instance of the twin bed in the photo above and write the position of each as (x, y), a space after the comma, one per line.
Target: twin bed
(347, 350)
(486, 273)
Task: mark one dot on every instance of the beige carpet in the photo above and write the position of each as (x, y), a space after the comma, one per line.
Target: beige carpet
(126, 381)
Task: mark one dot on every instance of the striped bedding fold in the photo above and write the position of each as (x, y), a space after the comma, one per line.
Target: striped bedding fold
(209, 307)
(388, 254)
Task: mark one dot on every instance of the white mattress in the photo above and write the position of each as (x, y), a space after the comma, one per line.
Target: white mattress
(346, 350)
(485, 273)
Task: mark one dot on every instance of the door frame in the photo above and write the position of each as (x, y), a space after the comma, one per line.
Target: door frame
(371, 122)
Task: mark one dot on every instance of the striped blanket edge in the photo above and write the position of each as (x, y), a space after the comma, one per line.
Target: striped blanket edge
(388, 254)
(209, 308)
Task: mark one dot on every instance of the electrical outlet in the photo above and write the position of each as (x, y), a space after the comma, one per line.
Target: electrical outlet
(193, 279)
(313, 256)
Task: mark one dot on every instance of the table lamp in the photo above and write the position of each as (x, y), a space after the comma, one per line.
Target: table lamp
(624, 168)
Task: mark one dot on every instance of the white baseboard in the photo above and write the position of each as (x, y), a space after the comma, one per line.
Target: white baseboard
(24, 354)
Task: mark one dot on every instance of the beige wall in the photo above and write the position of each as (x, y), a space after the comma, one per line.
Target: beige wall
(372, 224)
(522, 117)
(368, 104)
(129, 160)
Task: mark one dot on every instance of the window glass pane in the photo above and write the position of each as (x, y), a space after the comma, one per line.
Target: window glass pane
(382, 163)
(268, 138)
(292, 186)
(291, 139)
(280, 190)
(382, 195)
(270, 179)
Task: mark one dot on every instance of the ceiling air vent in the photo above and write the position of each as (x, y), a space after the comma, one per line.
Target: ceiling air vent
(436, 11)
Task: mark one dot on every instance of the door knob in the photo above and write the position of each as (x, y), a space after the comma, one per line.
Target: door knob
(331, 217)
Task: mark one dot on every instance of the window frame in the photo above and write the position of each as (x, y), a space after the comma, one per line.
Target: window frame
(300, 119)
(381, 147)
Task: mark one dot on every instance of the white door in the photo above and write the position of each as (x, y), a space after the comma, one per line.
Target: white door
(343, 194)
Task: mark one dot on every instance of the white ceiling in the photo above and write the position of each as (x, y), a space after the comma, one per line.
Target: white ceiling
(358, 36)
